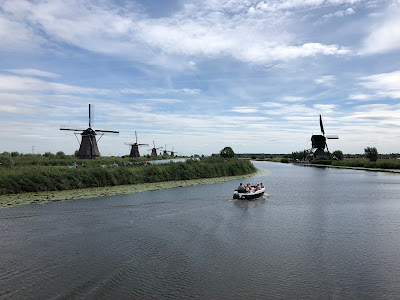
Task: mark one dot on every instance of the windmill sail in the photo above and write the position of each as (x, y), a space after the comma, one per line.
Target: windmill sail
(321, 125)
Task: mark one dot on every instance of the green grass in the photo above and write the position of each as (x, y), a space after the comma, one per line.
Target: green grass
(365, 163)
(44, 177)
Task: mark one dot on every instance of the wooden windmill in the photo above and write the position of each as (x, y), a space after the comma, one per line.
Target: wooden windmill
(88, 146)
(154, 150)
(318, 144)
(165, 150)
(135, 147)
(172, 153)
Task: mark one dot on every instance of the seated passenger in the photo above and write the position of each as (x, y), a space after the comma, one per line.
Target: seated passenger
(241, 189)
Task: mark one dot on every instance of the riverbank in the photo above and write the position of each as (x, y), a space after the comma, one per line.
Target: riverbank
(347, 167)
(12, 200)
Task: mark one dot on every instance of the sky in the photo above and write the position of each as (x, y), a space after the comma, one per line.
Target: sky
(195, 76)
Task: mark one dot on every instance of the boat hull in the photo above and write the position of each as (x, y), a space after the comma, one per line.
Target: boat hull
(249, 196)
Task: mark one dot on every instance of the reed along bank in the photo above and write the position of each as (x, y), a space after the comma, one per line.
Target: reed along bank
(37, 178)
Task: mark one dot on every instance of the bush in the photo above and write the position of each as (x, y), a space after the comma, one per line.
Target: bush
(371, 153)
(338, 154)
(6, 161)
(284, 160)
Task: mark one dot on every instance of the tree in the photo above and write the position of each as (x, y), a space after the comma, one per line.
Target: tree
(371, 153)
(48, 154)
(338, 154)
(227, 152)
(61, 154)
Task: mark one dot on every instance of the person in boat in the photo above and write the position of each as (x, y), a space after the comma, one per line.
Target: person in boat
(261, 185)
(258, 187)
(241, 188)
(248, 187)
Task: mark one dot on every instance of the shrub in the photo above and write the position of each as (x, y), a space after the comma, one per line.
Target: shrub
(371, 153)
(6, 161)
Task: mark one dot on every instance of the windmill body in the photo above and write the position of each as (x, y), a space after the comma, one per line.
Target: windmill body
(154, 151)
(88, 146)
(135, 147)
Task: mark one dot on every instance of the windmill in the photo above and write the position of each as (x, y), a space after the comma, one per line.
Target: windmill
(154, 150)
(172, 152)
(88, 146)
(135, 147)
(318, 144)
(165, 152)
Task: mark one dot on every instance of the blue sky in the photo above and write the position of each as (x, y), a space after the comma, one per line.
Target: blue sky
(200, 75)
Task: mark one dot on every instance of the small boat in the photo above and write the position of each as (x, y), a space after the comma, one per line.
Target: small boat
(249, 195)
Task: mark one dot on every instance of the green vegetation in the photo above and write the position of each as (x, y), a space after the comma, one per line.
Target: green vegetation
(371, 153)
(337, 154)
(365, 163)
(227, 152)
(39, 173)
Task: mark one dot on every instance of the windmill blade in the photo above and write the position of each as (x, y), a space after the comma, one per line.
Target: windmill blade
(72, 129)
(91, 115)
(136, 136)
(108, 131)
(321, 125)
(143, 144)
(332, 137)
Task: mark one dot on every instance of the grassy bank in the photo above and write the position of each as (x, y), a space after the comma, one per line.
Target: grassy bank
(38, 178)
(10, 200)
(365, 163)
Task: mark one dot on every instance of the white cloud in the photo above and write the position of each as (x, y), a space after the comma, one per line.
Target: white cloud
(160, 91)
(23, 84)
(293, 99)
(327, 80)
(33, 72)
(233, 32)
(340, 13)
(384, 34)
(361, 97)
(276, 5)
(167, 101)
(384, 85)
(383, 81)
(245, 110)
(17, 35)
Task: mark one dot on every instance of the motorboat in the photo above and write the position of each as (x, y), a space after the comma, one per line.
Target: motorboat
(249, 195)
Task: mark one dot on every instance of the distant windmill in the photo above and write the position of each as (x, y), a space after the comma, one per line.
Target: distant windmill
(135, 147)
(88, 146)
(154, 150)
(172, 152)
(165, 150)
(318, 144)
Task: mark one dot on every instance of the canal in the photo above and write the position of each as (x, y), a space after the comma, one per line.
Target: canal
(320, 234)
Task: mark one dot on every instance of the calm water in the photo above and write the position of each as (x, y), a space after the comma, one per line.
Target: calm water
(322, 234)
